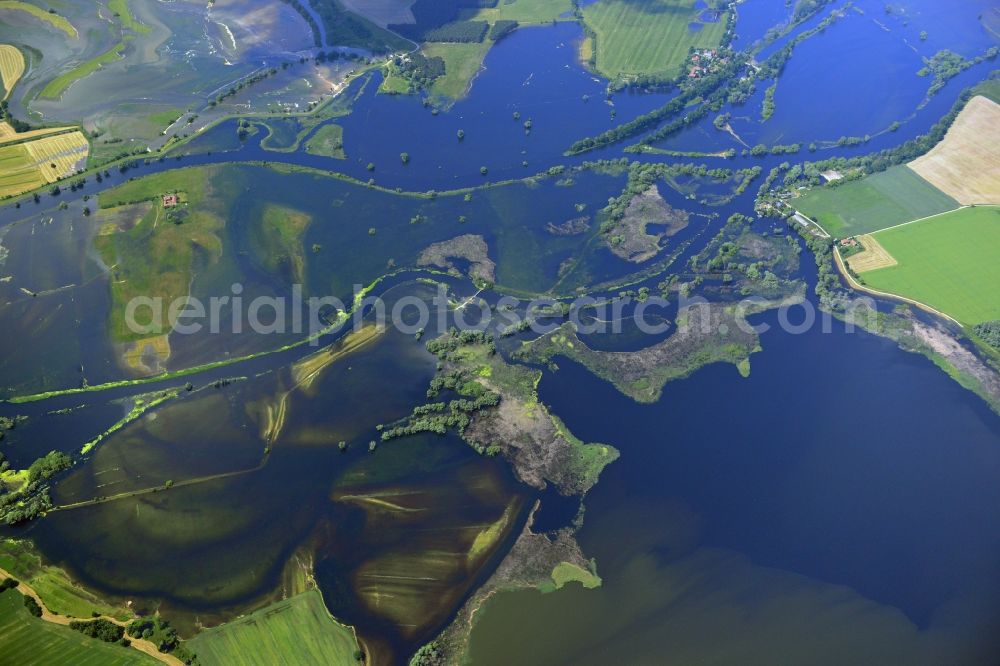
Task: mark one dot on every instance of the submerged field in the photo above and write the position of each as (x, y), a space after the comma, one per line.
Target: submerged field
(948, 262)
(882, 200)
(649, 36)
(255, 495)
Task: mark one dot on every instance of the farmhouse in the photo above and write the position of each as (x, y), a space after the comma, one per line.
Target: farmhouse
(169, 200)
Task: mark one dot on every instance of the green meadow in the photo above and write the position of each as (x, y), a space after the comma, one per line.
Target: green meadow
(298, 630)
(526, 11)
(876, 202)
(28, 640)
(948, 262)
(648, 36)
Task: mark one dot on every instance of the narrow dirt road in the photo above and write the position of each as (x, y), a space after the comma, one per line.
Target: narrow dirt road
(140, 644)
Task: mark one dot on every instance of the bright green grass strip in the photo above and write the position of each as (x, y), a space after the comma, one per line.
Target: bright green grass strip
(648, 36)
(121, 9)
(298, 630)
(57, 86)
(54, 20)
(949, 262)
(875, 202)
(26, 640)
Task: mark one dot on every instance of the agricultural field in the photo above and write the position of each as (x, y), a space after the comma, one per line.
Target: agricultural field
(25, 165)
(461, 61)
(947, 262)
(881, 200)
(9, 135)
(636, 37)
(966, 164)
(11, 68)
(59, 156)
(298, 630)
(55, 20)
(18, 172)
(525, 11)
(28, 640)
(873, 257)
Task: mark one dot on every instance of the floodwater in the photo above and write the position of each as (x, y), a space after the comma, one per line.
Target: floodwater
(841, 505)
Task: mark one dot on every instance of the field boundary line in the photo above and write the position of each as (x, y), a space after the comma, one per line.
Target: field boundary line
(885, 294)
(922, 219)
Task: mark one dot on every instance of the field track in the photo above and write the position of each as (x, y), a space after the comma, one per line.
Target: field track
(946, 262)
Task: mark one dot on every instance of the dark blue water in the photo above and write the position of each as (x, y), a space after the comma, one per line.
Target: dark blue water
(534, 72)
(756, 17)
(841, 459)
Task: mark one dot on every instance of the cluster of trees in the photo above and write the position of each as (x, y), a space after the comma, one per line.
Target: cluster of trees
(829, 289)
(502, 28)
(786, 149)
(160, 633)
(101, 629)
(32, 606)
(18, 125)
(443, 346)
(9, 423)
(458, 31)
(747, 176)
(946, 65)
(989, 331)
(243, 129)
(419, 70)
(27, 504)
(8, 584)
(429, 655)
(710, 87)
(767, 109)
(48, 466)
(33, 499)
(455, 414)
(245, 83)
(642, 175)
(441, 417)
